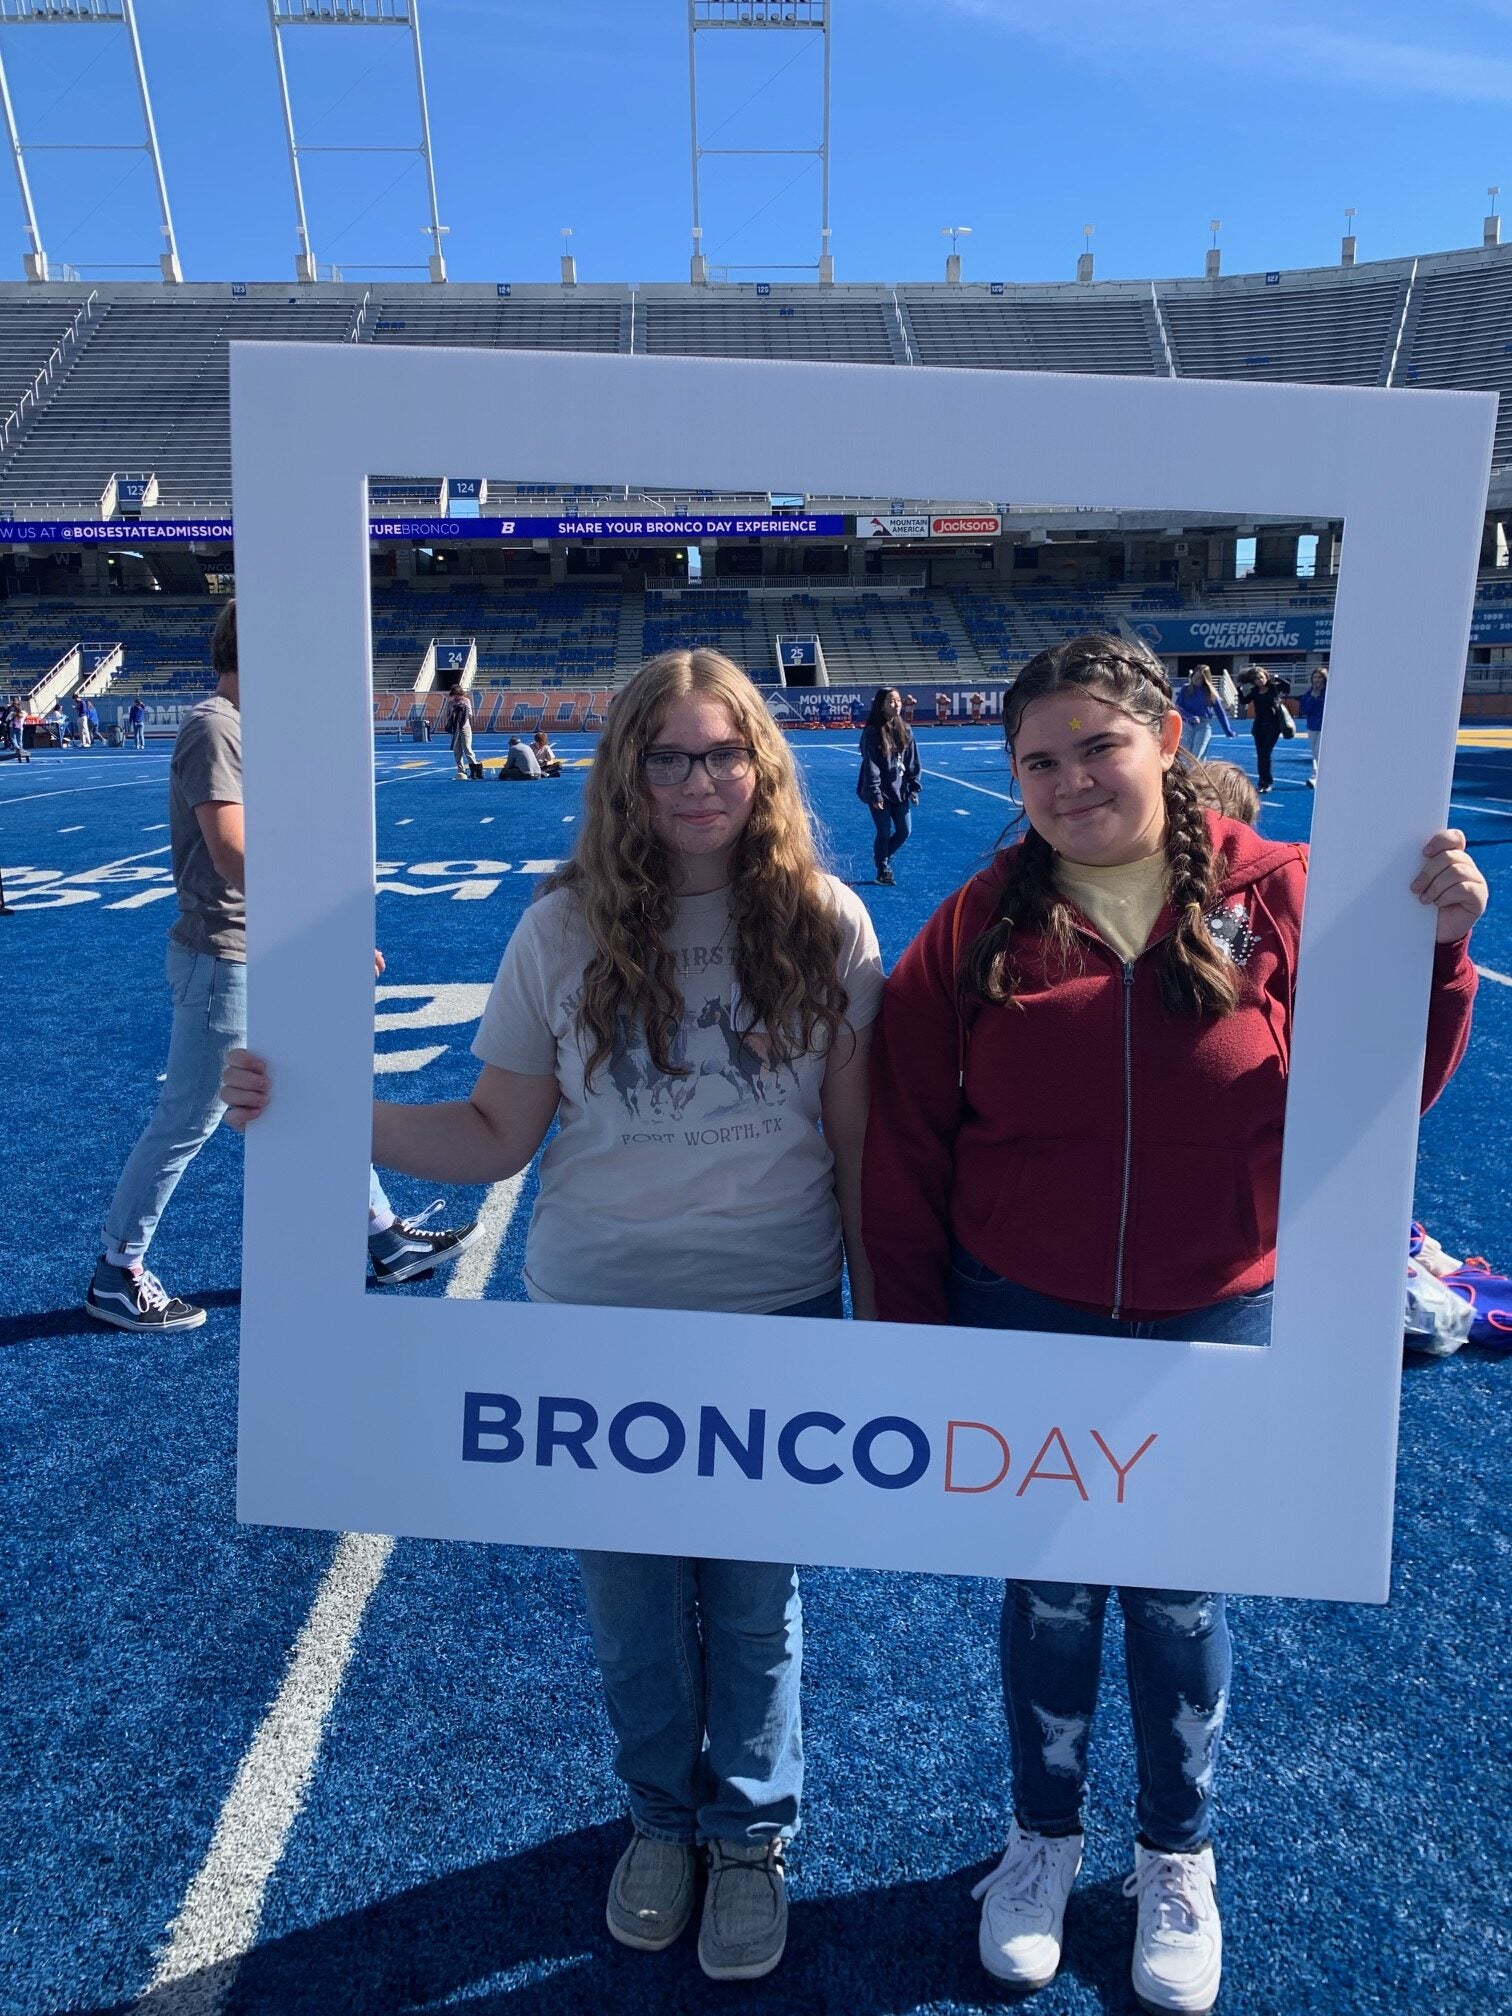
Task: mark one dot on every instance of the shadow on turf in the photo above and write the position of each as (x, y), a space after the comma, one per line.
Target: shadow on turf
(527, 1934)
(38, 1325)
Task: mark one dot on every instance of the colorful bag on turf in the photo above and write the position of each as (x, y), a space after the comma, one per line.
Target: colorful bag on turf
(1488, 1296)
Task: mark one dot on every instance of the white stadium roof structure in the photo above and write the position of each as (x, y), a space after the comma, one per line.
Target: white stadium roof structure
(95, 380)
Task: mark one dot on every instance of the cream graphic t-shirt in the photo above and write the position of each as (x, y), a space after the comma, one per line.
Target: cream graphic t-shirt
(710, 1190)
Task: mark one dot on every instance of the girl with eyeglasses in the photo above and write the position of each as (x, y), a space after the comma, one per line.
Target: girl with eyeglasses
(1085, 1054)
(690, 999)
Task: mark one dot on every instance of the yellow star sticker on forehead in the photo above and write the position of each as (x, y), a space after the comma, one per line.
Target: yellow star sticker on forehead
(1076, 723)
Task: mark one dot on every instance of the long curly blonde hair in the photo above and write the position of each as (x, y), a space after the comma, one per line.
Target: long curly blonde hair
(787, 936)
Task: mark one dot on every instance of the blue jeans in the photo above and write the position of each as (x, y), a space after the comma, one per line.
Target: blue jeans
(139, 735)
(893, 824)
(701, 1663)
(209, 1018)
(1177, 1643)
(1196, 735)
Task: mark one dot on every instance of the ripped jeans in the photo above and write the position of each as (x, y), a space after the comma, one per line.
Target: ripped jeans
(1177, 1641)
(1179, 1663)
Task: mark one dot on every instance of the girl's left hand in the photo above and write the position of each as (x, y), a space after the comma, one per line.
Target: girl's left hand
(1453, 884)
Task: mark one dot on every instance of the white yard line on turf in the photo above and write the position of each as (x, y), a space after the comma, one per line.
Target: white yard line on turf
(1465, 805)
(77, 791)
(1490, 973)
(470, 1277)
(946, 778)
(223, 1907)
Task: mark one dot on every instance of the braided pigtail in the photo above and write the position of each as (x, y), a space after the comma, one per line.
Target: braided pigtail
(1029, 901)
(1196, 978)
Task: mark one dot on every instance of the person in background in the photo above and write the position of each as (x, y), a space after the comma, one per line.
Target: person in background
(520, 763)
(457, 722)
(136, 720)
(13, 728)
(889, 779)
(1272, 721)
(1013, 1181)
(207, 978)
(1225, 788)
(545, 755)
(1310, 709)
(85, 717)
(57, 721)
(690, 963)
(1200, 708)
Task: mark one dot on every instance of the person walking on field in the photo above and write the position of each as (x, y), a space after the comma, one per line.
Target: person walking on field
(1311, 711)
(889, 779)
(1200, 708)
(1081, 1069)
(136, 718)
(1272, 722)
(690, 998)
(207, 978)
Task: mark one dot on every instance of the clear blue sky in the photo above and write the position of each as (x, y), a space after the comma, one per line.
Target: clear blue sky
(1025, 119)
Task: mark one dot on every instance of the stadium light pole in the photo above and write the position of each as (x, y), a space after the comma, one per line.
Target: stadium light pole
(1214, 257)
(1347, 247)
(86, 14)
(809, 16)
(1491, 224)
(402, 14)
(34, 262)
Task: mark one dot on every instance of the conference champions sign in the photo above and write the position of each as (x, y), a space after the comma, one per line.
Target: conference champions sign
(886, 1446)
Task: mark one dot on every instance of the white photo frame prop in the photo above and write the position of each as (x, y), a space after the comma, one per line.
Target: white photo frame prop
(1271, 1471)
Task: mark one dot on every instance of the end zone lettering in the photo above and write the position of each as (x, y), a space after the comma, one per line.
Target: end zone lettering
(809, 1447)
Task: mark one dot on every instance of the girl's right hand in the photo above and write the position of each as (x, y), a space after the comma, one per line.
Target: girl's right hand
(245, 1088)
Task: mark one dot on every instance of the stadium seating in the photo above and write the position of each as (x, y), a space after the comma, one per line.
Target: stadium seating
(1334, 328)
(1458, 334)
(536, 318)
(147, 391)
(29, 333)
(145, 388)
(1066, 328)
(837, 325)
(166, 645)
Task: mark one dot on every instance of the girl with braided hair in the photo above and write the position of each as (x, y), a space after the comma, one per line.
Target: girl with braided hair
(1079, 1088)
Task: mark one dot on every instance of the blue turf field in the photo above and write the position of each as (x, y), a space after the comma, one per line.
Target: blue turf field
(461, 1821)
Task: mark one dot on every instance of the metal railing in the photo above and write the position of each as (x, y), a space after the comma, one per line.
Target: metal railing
(31, 396)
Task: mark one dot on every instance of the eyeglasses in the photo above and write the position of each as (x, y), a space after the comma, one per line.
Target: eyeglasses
(675, 766)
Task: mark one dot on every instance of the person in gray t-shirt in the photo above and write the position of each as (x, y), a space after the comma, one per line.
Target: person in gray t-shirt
(207, 976)
(520, 762)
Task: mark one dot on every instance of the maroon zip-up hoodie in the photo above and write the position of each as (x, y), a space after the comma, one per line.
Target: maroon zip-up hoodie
(1100, 1150)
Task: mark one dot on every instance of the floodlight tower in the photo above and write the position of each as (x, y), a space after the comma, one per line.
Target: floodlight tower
(83, 14)
(803, 16)
(404, 14)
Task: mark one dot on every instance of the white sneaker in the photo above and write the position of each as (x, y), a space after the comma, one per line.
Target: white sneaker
(1024, 1906)
(1178, 1948)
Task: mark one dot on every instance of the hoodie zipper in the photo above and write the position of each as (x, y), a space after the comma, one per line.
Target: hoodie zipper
(1128, 1153)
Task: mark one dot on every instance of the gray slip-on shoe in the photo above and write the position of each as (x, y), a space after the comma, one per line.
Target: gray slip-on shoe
(744, 1928)
(651, 1894)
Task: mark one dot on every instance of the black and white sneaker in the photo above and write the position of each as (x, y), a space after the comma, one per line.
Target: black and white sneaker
(885, 875)
(133, 1299)
(406, 1249)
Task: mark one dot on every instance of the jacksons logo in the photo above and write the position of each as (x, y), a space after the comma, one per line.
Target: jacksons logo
(889, 1452)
